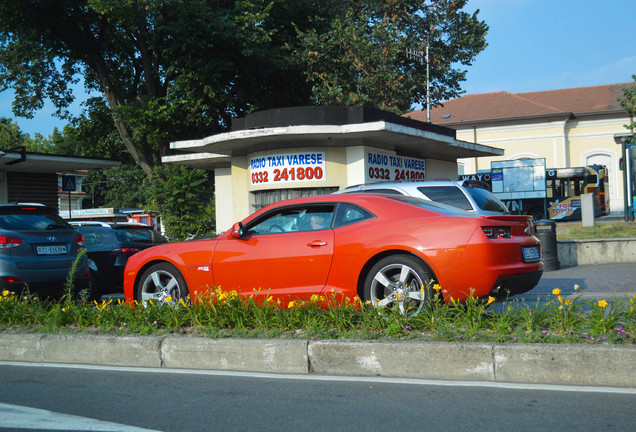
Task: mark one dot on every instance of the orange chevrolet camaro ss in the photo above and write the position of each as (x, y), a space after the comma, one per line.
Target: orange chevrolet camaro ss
(381, 248)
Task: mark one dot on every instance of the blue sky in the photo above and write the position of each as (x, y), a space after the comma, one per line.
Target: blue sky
(533, 45)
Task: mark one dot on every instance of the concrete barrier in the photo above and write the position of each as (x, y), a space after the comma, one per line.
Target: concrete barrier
(572, 253)
(594, 365)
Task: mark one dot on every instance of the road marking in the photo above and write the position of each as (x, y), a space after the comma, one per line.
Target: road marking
(21, 417)
(334, 378)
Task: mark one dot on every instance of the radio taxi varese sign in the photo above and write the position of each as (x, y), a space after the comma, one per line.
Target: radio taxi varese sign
(288, 167)
(386, 167)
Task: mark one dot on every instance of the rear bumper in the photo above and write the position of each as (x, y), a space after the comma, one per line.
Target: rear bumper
(514, 284)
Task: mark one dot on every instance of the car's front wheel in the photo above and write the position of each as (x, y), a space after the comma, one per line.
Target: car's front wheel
(401, 282)
(163, 284)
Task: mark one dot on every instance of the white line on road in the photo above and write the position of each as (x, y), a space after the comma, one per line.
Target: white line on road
(21, 417)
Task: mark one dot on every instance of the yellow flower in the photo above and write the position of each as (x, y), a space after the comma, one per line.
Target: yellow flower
(561, 307)
(602, 303)
(576, 287)
(560, 299)
(556, 291)
(169, 298)
(290, 305)
(5, 293)
(436, 287)
(314, 298)
(631, 309)
(490, 300)
(566, 302)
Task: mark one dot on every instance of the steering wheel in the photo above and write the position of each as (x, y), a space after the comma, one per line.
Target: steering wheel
(276, 228)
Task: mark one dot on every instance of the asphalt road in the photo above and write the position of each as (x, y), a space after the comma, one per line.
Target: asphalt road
(45, 398)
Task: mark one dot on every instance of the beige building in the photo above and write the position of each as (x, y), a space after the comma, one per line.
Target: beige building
(568, 127)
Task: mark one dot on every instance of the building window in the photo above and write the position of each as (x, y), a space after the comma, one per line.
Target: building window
(260, 199)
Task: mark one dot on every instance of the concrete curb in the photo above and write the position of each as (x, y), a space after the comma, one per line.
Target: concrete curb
(572, 253)
(594, 365)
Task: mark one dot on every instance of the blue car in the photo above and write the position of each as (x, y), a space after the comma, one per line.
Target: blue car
(37, 251)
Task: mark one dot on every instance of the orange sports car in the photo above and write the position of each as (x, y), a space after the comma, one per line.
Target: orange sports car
(387, 249)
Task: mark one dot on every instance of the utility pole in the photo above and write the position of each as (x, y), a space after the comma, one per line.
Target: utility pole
(421, 57)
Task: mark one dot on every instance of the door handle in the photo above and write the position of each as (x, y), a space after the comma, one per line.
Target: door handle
(317, 243)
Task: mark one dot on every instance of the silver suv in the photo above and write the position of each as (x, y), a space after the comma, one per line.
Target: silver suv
(467, 195)
(37, 251)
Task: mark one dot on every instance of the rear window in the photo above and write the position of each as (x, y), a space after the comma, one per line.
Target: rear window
(450, 195)
(486, 200)
(433, 206)
(31, 219)
(141, 235)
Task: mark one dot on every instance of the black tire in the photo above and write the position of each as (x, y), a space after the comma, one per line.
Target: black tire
(163, 284)
(402, 282)
(94, 290)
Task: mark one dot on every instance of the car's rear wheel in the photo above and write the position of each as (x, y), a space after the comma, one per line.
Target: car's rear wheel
(163, 284)
(401, 282)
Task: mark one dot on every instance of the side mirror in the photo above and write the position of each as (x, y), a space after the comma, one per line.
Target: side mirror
(237, 230)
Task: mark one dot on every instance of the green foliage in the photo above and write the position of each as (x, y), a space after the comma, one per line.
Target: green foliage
(173, 69)
(358, 55)
(92, 134)
(599, 230)
(121, 187)
(628, 102)
(167, 69)
(228, 314)
(11, 138)
(184, 198)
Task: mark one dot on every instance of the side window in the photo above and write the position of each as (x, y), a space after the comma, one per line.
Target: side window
(348, 214)
(450, 195)
(293, 219)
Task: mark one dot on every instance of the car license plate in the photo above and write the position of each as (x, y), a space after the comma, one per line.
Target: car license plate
(530, 253)
(51, 250)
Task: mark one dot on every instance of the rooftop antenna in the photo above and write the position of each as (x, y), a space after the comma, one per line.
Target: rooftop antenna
(421, 57)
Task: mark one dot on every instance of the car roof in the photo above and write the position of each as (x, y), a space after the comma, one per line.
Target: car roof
(407, 183)
(77, 223)
(372, 202)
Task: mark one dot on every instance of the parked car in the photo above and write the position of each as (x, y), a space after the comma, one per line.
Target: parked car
(37, 251)
(469, 195)
(109, 245)
(387, 249)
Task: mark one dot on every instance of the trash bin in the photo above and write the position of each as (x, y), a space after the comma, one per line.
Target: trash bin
(545, 230)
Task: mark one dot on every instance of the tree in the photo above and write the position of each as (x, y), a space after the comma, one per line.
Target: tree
(361, 59)
(181, 69)
(184, 197)
(167, 69)
(12, 138)
(628, 102)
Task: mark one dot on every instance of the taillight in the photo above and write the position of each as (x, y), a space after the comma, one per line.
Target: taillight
(79, 239)
(496, 232)
(7, 242)
(125, 251)
(10, 279)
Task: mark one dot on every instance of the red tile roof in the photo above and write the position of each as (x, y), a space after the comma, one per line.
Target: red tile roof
(503, 105)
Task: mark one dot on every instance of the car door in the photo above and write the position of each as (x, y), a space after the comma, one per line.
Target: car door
(280, 254)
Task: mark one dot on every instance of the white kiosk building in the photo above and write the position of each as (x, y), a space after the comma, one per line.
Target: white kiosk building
(291, 152)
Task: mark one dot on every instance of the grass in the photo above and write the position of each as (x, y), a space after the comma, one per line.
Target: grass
(599, 230)
(227, 314)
